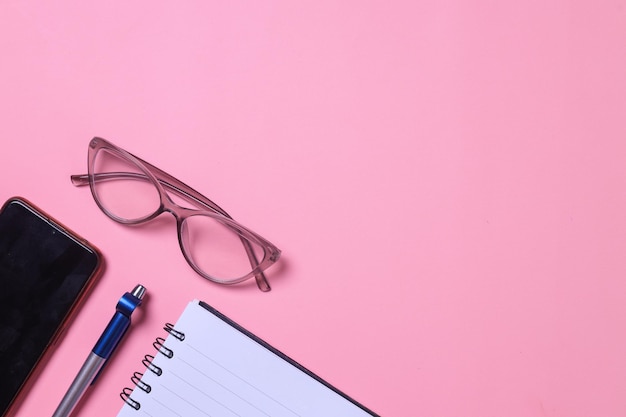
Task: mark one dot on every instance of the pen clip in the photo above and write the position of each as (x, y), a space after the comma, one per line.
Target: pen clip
(130, 301)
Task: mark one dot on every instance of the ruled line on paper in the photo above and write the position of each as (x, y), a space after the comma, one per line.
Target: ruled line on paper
(204, 355)
(162, 404)
(204, 374)
(187, 401)
(215, 400)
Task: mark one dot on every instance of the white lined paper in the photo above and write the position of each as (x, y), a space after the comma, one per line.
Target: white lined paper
(220, 371)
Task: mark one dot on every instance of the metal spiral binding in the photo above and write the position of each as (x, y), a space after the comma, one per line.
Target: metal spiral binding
(147, 362)
(169, 327)
(162, 349)
(159, 345)
(125, 394)
(136, 378)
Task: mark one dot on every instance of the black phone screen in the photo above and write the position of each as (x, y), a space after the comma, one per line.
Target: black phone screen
(43, 272)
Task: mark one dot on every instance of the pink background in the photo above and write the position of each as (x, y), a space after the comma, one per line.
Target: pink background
(447, 182)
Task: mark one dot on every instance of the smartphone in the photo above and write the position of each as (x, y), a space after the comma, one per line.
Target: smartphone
(46, 271)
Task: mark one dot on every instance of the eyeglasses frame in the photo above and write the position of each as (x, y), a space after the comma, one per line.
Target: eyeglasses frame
(162, 181)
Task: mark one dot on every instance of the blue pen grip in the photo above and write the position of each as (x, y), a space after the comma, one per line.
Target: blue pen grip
(117, 327)
(112, 335)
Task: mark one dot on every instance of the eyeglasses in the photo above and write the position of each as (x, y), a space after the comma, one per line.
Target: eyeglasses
(131, 191)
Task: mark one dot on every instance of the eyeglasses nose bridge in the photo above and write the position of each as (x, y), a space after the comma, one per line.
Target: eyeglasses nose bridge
(179, 212)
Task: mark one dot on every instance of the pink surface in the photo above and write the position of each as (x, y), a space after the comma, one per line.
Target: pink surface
(447, 182)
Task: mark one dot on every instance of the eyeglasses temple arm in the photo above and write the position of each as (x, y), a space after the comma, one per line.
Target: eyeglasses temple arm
(186, 191)
(164, 178)
(183, 190)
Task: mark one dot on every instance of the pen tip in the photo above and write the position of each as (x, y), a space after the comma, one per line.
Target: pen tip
(139, 291)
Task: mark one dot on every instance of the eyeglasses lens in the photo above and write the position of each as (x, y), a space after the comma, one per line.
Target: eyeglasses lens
(124, 191)
(218, 249)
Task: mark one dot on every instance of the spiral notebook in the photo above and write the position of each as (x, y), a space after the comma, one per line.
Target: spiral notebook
(210, 366)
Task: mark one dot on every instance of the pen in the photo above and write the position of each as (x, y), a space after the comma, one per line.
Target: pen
(102, 351)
